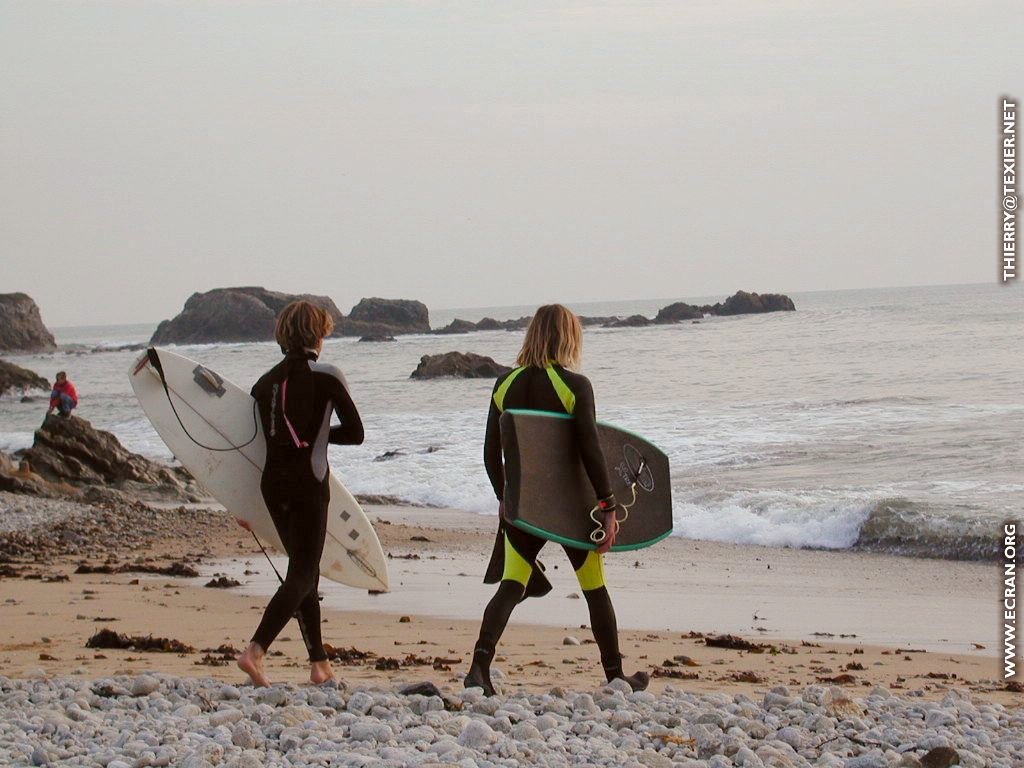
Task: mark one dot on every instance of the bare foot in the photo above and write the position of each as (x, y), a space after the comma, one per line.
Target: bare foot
(320, 672)
(251, 662)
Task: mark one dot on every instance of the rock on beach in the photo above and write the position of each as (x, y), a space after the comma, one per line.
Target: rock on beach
(70, 450)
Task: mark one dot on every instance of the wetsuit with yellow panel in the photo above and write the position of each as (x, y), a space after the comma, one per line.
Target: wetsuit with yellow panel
(514, 560)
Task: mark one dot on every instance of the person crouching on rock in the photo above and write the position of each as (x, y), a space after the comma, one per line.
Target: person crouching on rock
(295, 399)
(544, 382)
(63, 396)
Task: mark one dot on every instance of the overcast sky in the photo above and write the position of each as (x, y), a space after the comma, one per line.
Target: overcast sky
(477, 153)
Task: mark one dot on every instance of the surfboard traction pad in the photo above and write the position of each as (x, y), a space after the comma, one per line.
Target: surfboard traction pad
(548, 493)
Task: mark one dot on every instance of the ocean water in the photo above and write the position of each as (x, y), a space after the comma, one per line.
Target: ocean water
(887, 420)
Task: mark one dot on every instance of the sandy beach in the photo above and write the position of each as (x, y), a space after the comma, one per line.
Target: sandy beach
(865, 620)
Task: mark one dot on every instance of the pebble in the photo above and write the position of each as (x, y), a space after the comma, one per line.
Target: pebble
(525, 732)
(792, 736)
(230, 693)
(477, 735)
(939, 718)
(143, 685)
(275, 696)
(242, 736)
(225, 717)
(371, 731)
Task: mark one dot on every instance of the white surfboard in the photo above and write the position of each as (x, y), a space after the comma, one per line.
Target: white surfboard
(224, 449)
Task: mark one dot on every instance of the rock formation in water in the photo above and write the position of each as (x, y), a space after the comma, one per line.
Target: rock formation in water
(678, 312)
(15, 378)
(633, 321)
(460, 365)
(385, 317)
(231, 314)
(743, 303)
(249, 314)
(21, 325)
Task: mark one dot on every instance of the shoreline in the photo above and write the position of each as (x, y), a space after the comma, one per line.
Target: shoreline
(767, 592)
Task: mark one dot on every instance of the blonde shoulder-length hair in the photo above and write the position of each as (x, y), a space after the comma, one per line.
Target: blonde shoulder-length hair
(555, 335)
(302, 325)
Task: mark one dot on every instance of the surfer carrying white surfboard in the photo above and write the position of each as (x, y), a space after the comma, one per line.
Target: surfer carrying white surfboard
(545, 381)
(295, 400)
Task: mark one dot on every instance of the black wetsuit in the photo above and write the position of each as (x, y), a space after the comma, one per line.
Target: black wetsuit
(557, 390)
(296, 481)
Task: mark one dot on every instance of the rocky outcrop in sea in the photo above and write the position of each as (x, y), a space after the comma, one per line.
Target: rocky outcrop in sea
(385, 317)
(14, 378)
(249, 314)
(21, 325)
(462, 365)
(678, 312)
(743, 303)
(232, 314)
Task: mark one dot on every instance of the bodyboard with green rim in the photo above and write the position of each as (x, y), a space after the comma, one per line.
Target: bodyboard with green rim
(548, 493)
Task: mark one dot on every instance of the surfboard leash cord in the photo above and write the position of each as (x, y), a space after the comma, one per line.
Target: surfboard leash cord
(266, 555)
(154, 360)
(599, 534)
(277, 573)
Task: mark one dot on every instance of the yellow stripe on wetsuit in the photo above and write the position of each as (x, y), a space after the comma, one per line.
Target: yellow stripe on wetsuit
(565, 395)
(517, 568)
(591, 573)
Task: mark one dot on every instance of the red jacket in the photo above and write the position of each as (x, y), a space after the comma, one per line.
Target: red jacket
(67, 388)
